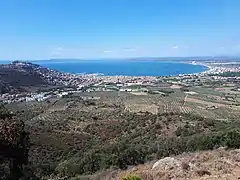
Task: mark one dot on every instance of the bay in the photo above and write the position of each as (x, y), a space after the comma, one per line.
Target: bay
(123, 67)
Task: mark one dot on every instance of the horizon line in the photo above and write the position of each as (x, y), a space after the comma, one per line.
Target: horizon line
(125, 58)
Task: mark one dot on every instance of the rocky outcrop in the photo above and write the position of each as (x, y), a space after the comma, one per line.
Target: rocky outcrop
(220, 164)
(166, 163)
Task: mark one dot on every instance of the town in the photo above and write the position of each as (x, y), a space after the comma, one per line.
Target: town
(67, 83)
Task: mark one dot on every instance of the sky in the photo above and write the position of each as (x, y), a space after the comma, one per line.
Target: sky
(91, 29)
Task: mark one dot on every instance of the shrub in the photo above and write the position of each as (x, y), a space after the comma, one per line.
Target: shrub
(187, 130)
(232, 139)
(130, 156)
(131, 177)
(14, 143)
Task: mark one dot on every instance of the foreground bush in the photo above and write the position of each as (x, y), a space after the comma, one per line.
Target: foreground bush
(117, 139)
(117, 156)
(232, 139)
(131, 177)
(14, 143)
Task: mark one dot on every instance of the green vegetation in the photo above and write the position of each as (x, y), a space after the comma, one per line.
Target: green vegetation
(107, 136)
(131, 177)
(72, 137)
(141, 146)
(14, 145)
(76, 136)
(227, 74)
(15, 80)
(166, 90)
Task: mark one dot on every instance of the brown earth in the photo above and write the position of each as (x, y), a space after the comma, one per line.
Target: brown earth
(189, 99)
(218, 164)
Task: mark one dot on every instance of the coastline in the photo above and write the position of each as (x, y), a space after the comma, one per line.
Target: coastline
(162, 72)
(207, 71)
(128, 68)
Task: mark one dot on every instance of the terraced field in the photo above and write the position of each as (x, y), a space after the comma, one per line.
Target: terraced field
(73, 134)
(181, 103)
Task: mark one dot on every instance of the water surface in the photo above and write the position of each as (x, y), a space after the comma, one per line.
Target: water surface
(123, 67)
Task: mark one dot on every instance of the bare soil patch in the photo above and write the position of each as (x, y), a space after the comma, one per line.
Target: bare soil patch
(207, 103)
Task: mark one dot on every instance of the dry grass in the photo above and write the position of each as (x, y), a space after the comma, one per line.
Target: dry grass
(219, 164)
(142, 107)
(207, 103)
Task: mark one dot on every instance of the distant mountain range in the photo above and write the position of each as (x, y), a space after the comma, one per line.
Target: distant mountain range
(236, 58)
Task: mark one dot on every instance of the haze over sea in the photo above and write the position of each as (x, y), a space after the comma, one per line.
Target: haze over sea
(123, 67)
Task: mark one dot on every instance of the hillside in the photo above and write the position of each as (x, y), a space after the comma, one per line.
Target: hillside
(105, 134)
(220, 164)
(72, 137)
(19, 76)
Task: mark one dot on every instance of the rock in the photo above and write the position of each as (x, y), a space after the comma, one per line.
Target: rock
(203, 172)
(134, 169)
(166, 163)
(221, 148)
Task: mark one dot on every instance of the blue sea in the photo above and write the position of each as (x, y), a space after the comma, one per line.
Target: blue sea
(123, 67)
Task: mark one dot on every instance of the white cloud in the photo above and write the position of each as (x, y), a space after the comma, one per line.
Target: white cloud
(59, 49)
(175, 47)
(107, 51)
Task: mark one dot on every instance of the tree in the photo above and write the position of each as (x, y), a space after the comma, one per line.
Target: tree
(14, 143)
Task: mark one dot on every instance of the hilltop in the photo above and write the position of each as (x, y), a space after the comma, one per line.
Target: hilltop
(219, 164)
(22, 76)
